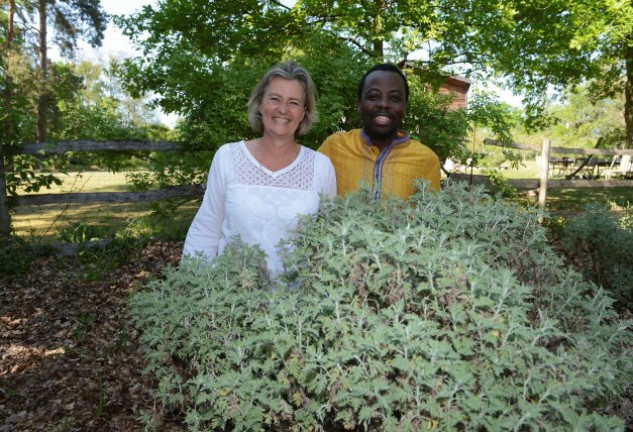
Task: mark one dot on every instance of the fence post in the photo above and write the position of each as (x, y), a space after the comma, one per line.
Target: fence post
(544, 172)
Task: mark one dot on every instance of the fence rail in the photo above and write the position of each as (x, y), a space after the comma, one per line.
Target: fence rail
(561, 150)
(89, 146)
(112, 197)
(532, 184)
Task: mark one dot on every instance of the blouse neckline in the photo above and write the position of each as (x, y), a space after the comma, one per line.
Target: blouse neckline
(271, 173)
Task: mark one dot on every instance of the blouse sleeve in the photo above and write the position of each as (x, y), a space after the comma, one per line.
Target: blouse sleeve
(205, 232)
(328, 176)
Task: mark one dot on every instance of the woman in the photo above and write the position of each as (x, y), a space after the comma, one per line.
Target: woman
(257, 188)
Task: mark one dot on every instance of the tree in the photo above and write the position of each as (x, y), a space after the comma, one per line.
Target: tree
(534, 45)
(71, 19)
(192, 46)
(4, 208)
(582, 120)
(544, 45)
(24, 92)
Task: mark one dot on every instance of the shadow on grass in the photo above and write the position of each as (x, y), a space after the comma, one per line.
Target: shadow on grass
(45, 222)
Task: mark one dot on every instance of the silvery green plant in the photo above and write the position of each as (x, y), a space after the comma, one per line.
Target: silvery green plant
(449, 312)
(603, 242)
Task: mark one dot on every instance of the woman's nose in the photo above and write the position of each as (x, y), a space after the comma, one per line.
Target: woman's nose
(283, 107)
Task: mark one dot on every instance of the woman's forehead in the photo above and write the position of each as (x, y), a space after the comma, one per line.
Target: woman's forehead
(284, 86)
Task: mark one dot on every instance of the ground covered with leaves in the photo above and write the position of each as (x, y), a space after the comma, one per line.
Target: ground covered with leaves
(69, 357)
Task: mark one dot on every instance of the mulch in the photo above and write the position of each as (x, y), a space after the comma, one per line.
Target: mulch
(70, 359)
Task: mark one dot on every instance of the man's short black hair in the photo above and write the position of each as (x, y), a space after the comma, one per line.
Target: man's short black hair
(384, 67)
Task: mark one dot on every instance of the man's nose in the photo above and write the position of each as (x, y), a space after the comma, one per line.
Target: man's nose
(383, 102)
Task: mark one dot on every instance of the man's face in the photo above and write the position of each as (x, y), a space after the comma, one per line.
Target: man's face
(382, 105)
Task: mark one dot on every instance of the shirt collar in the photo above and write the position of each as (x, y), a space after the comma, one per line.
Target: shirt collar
(403, 136)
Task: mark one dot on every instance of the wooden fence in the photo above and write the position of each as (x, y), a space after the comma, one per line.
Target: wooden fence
(553, 183)
(192, 190)
(112, 197)
(543, 182)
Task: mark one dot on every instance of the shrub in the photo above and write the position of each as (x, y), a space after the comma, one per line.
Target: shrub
(17, 255)
(600, 244)
(450, 312)
(80, 232)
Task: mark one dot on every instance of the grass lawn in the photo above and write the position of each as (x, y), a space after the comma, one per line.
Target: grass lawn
(89, 181)
(44, 222)
(570, 199)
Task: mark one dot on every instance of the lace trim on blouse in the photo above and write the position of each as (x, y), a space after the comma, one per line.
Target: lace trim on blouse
(246, 170)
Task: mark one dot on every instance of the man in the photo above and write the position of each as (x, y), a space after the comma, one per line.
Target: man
(380, 154)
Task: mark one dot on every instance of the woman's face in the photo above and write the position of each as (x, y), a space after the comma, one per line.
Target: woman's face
(282, 107)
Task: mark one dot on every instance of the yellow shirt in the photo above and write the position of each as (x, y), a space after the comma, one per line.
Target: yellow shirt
(389, 172)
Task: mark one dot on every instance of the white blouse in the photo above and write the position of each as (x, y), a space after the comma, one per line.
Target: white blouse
(261, 206)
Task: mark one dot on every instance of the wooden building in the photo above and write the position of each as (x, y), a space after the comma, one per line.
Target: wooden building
(456, 85)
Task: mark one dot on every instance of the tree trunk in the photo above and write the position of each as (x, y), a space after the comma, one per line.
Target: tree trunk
(10, 16)
(42, 105)
(628, 97)
(5, 137)
(378, 29)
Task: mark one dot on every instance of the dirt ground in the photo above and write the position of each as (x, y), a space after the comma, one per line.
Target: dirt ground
(69, 356)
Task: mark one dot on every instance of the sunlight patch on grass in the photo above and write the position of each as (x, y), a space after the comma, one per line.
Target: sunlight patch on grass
(44, 222)
(88, 181)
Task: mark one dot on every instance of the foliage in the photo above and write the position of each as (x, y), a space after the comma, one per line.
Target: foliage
(430, 119)
(529, 45)
(486, 110)
(100, 248)
(166, 221)
(198, 77)
(601, 245)
(16, 255)
(582, 120)
(567, 43)
(497, 179)
(448, 313)
(81, 232)
(105, 256)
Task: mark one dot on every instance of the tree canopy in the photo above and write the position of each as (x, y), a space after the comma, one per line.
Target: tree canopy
(532, 45)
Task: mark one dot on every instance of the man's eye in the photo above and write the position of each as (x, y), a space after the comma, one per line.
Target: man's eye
(294, 103)
(273, 98)
(396, 98)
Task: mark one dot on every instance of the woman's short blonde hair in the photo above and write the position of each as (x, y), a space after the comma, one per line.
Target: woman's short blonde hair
(290, 71)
